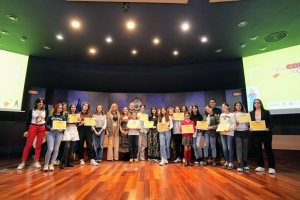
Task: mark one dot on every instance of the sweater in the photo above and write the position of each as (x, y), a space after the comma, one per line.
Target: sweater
(100, 121)
(134, 131)
(228, 118)
(53, 117)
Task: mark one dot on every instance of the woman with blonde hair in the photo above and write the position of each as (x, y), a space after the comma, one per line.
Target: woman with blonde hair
(112, 132)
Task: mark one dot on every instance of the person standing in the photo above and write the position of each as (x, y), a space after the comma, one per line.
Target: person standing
(153, 137)
(142, 135)
(263, 137)
(133, 136)
(196, 116)
(177, 137)
(124, 141)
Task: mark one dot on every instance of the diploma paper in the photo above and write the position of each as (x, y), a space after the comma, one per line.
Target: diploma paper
(187, 128)
(258, 125)
(148, 124)
(178, 116)
(202, 125)
(133, 124)
(223, 127)
(162, 127)
(243, 118)
(57, 125)
(73, 118)
(143, 117)
(89, 121)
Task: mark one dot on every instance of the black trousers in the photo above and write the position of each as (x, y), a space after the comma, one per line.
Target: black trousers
(68, 150)
(133, 146)
(259, 138)
(86, 134)
(178, 145)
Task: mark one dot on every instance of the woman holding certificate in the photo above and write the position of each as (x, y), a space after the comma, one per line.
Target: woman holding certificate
(187, 129)
(86, 134)
(196, 116)
(226, 128)
(163, 127)
(35, 127)
(153, 137)
(99, 132)
(241, 135)
(142, 116)
(210, 134)
(124, 141)
(112, 131)
(54, 137)
(177, 119)
(261, 126)
(70, 136)
(134, 127)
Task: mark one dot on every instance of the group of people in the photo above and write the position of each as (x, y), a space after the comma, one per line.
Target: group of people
(132, 141)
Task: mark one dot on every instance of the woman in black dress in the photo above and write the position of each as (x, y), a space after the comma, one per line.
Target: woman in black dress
(153, 138)
(124, 142)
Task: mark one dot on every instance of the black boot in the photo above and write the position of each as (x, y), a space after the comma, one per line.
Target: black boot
(205, 161)
(69, 163)
(62, 164)
(214, 162)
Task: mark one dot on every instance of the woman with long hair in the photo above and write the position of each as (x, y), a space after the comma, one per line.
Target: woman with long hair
(153, 137)
(124, 141)
(196, 116)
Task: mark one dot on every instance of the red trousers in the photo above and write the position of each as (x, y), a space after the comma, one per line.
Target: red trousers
(34, 131)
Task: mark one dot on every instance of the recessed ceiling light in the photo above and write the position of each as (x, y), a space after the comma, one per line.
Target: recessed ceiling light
(156, 41)
(175, 53)
(92, 51)
(242, 23)
(204, 39)
(108, 39)
(263, 48)
(242, 45)
(130, 25)
(60, 37)
(4, 32)
(75, 24)
(12, 17)
(254, 37)
(46, 47)
(134, 51)
(185, 26)
(218, 50)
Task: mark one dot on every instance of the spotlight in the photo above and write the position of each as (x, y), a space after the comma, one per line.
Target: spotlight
(125, 6)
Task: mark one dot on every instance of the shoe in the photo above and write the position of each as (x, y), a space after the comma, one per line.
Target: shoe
(37, 165)
(201, 161)
(21, 166)
(162, 162)
(260, 169)
(209, 160)
(197, 161)
(93, 162)
(240, 167)
(272, 171)
(230, 166)
(177, 160)
(136, 160)
(142, 159)
(62, 164)
(51, 167)
(99, 161)
(69, 163)
(131, 160)
(56, 163)
(82, 162)
(225, 166)
(214, 162)
(46, 168)
(245, 166)
(205, 162)
(166, 161)
(223, 160)
(185, 164)
(190, 164)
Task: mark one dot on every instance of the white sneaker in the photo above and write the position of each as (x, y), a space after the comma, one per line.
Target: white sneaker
(82, 162)
(142, 159)
(51, 167)
(260, 169)
(46, 168)
(177, 160)
(166, 161)
(93, 162)
(21, 166)
(162, 162)
(56, 163)
(37, 165)
(271, 171)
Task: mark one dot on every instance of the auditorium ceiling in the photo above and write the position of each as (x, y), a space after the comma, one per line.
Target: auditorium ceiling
(160, 34)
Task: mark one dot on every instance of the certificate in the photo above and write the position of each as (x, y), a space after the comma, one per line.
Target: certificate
(202, 125)
(243, 118)
(143, 117)
(73, 118)
(223, 127)
(189, 128)
(258, 125)
(89, 121)
(148, 124)
(57, 125)
(133, 124)
(178, 116)
(162, 127)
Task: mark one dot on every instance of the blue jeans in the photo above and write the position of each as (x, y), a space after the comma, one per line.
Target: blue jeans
(164, 140)
(197, 145)
(53, 141)
(98, 144)
(212, 141)
(227, 141)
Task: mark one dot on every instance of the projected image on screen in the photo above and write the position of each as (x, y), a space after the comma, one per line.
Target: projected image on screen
(273, 77)
(12, 77)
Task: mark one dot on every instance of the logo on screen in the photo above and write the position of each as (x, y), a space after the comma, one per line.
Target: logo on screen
(293, 66)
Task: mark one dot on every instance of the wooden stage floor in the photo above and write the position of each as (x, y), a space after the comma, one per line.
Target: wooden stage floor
(148, 180)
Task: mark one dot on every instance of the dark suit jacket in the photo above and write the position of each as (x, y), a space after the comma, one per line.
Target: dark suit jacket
(265, 115)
